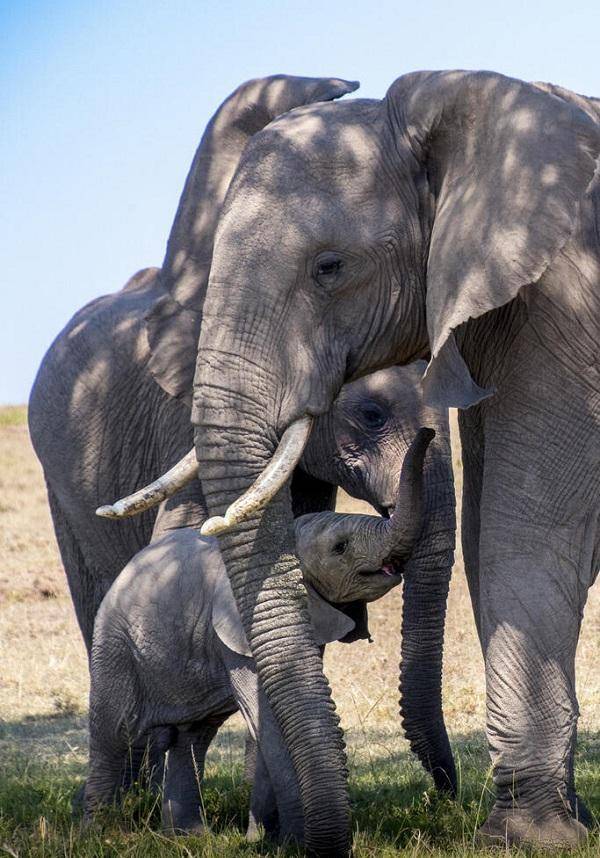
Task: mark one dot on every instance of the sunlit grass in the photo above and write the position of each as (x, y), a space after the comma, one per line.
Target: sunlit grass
(43, 729)
(395, 810)
(13, 415)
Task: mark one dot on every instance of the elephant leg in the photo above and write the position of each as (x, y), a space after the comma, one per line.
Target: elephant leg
(145, 761)
(184, 771)
(263, 803)
(273, 753)
(104, 778)
(472, 443)
(536, 559)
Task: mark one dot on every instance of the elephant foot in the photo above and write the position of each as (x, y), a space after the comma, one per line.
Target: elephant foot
(516, 827)
(262, 828)
(184, 828)
(178, 821)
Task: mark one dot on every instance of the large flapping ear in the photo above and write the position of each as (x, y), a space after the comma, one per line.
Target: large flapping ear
(173, 325)
(328, 623)
(508, 164)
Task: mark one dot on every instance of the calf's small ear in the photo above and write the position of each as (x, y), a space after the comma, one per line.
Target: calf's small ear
(328, 623)
(226, 619)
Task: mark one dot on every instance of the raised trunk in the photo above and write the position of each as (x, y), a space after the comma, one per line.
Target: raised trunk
(426, 584)
(234, 441)
(406, 524)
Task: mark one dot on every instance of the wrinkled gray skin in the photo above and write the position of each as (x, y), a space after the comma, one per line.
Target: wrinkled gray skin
(110, 410)
(455, 219)
(170, 659)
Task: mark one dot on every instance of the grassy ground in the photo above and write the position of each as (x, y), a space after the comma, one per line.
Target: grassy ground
(43, 691)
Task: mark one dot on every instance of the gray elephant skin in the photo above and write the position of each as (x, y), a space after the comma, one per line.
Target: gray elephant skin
(110, 409)
(455, 220)
(169, 655)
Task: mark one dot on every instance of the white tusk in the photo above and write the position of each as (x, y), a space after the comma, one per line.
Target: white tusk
(184, 472)
(266, 486)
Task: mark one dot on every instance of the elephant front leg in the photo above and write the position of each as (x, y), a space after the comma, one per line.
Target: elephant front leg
(531, 599)
(263, 814)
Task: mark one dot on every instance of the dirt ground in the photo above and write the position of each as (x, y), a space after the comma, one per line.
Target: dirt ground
(43, 671)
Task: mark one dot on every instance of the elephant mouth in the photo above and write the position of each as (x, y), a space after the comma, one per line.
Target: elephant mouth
(389, 570)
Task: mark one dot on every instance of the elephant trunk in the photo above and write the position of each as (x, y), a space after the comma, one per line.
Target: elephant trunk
(426, 585)
(423, 617)
(404, 527)
(234, 441)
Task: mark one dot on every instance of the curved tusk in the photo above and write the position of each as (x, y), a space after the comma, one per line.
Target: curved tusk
(266, 486)
(184, 472)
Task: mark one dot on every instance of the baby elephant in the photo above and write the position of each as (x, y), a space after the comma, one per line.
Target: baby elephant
(170, 659)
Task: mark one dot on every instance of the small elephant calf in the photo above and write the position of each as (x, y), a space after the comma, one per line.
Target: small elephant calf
(169, 651)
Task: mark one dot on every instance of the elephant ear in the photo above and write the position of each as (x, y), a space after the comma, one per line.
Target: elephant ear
(328, 623)
(226, 618)
(173, 324)
(508, 165)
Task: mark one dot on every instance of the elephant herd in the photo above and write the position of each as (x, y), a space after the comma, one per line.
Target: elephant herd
(338, 274)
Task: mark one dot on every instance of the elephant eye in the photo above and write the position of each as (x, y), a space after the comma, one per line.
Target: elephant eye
(373, 415)
(327, 268)
(340, 547)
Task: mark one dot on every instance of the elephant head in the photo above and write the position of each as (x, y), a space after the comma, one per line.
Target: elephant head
(350, 557)
(355, 236)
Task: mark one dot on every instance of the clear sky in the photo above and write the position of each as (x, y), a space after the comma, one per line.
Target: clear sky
(102, 104)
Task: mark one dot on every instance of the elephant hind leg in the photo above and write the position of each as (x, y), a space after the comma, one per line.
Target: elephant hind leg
(145, 760)
(103, 784)
(184, 771)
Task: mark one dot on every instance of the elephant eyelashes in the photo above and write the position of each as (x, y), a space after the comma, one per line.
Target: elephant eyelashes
(340, 547)
(327, 269)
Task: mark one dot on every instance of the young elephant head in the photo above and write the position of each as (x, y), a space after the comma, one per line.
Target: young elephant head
(349, 557)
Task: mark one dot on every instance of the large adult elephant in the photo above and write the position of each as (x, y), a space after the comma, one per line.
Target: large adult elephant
(456, 219)
(110, 409)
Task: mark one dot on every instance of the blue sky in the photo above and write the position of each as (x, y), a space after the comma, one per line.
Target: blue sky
(102, 104)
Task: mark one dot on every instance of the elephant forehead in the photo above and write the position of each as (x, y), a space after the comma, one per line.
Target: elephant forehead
(394, 385)
(341, 127)
(318, 142)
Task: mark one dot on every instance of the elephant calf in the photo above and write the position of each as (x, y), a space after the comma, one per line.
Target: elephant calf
(169, 651)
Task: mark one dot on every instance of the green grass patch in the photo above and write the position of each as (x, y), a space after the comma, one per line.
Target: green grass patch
(13, 415)
(395, 811)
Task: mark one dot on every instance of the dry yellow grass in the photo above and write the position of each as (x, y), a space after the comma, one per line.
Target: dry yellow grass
(43, 668)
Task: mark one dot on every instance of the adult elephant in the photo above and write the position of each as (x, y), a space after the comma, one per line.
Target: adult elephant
(110, 409)
(455, 219)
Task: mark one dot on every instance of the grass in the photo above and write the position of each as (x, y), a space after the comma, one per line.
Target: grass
(43, 701)
(13, 415)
